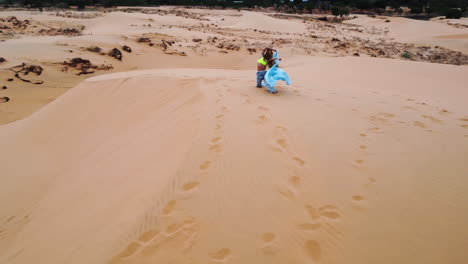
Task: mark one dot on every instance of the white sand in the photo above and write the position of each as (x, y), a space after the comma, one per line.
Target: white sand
(361, 160)
(417, 31)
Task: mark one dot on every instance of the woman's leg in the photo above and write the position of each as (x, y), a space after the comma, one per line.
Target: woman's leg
(260, 77)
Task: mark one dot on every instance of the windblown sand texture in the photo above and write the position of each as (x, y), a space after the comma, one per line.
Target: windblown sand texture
(173, 156)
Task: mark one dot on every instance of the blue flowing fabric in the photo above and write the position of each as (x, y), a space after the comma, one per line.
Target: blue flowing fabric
(275, 74)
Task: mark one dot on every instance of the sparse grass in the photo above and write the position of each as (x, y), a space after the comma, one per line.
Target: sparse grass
(407, 55)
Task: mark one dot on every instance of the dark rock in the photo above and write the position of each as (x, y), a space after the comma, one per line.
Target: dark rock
(127, 48)
(143, 39)
(115, 53)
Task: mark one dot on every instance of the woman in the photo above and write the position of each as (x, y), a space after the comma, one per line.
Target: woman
(262, 63)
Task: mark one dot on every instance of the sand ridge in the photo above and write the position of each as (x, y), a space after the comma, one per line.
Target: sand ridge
(199, 38)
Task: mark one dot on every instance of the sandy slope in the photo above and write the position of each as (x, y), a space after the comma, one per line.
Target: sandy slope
(419, 32)
(198, 166)
(217, 29)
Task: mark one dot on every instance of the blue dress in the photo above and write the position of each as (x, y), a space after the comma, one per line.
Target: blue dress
(275, 74)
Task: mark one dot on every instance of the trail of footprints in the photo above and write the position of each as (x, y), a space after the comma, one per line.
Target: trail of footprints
(317, 217)
(174, 231)
(184, 231)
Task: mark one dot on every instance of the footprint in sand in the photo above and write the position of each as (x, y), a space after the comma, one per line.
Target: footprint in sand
(362, 147)
(169, 207)
(262, 119)
(173, 228)
(9, 219)
(444, 111)
(190, 186)
(312, 212)
(216, 148)
(4, 99)
(433, 119)
(313, 250)
(358, 202)
(263, 108)
(219, 116)
(290, 189)
(221, 254)
(268, 237)
(281, 128)
(329, 211)
(216, 139)
(357, 198)
(359, 162)
(286, 192)
(205, 165)
(148, 235)
(276, 149)
(282, 143)
(295, 181)
(377, 130)
(218, 126)
(299, 161)
(363, 135)
(372, 180)
(419, 124)
(130, 250)
(183, 232)
(268, 247)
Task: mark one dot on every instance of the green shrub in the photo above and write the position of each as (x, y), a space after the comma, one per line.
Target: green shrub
(453, 13)
(416, 10)
(336, 11)
(407, 55)
(345, 12)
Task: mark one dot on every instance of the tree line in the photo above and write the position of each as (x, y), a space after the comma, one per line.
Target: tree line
(436, 7)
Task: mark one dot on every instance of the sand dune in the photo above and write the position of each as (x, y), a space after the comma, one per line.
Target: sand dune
(418, 32)
(173, 155)
(190, 165)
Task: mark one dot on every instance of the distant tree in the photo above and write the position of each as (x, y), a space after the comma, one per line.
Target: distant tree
(345, 11)
(80, 4)
(336, 11)
(394, 4)
(453, 13)
(416, 9)
(380, 4)
(363, 4)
